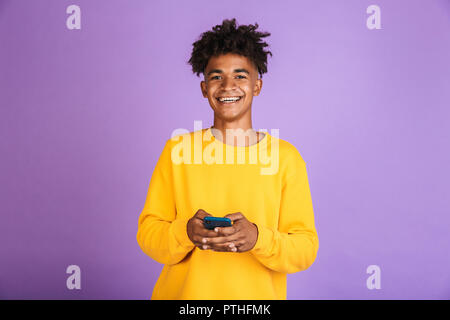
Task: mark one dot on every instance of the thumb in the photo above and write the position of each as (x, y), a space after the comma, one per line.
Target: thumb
(235, 216)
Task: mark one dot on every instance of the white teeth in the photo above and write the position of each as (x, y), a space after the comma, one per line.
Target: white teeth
(227, 99)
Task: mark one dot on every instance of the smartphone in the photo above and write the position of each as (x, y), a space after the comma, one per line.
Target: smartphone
(212, 222)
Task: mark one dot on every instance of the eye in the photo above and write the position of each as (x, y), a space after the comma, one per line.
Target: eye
(243, 77)
(214, 77)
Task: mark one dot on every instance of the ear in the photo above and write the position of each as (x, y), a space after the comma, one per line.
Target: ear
(258, 86)
(203, 88)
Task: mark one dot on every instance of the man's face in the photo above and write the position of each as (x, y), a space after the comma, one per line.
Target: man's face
(230, 76)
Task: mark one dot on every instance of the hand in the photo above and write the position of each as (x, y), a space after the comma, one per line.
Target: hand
(196, 230)
(240, 237)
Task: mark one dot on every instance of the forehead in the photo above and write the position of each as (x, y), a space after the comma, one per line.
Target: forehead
(229, 62)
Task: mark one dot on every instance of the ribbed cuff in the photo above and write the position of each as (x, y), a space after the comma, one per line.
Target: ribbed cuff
(264, 242)
(179, 229)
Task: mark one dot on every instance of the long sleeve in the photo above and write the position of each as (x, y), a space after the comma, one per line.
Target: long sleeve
(293, 247)
(161, 235)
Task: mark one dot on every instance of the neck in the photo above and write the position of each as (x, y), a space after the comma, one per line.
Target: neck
(236, 133)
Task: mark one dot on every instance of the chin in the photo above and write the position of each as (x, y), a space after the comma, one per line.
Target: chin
(231, 113)
(228, 117)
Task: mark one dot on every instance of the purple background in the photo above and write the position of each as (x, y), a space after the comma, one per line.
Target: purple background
(85, 113)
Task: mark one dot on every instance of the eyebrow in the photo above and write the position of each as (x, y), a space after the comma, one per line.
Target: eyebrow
(235, 71)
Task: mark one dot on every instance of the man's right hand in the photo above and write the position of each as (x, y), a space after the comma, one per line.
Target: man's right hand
(196, 230)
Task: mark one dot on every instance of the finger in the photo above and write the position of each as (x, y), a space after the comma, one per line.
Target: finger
(244, 246)
(200, 214)
(201, 240)
(240, 243)
(227, 246)
(224, 247)
(226, 231)
(202, 245)
(219, 250)
(217, 240)
(234, 246)
(203, 232)
(235, 216)
(197, 240)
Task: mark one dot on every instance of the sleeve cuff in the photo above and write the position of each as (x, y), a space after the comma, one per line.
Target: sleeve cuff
(179, 229)
(264, 242)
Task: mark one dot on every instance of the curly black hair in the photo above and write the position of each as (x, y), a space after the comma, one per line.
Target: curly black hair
(227, 38)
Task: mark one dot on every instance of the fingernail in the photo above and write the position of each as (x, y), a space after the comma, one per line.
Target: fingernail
(204, 240)
(231, 245)
(205, 247)
(216, 229)
(234, 249)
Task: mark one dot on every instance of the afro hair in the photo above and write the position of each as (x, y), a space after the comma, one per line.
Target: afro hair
(227, 38)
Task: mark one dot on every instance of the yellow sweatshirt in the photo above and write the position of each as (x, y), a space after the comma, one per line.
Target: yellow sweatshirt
(197, 171)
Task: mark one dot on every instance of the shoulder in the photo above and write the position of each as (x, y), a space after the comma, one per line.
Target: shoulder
(291, 163)
(178, 135)
(183, 145)
(288, 152)
(181, 135)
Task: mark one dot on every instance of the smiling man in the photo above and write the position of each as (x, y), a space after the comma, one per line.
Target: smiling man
(230, 83)
(273, 231)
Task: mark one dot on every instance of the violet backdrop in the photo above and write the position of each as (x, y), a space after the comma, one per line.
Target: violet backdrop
(84, 115)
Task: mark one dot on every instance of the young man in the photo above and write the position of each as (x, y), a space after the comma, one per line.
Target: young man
(225, 171)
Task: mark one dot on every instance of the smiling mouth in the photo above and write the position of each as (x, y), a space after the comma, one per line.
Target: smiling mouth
(229, 100)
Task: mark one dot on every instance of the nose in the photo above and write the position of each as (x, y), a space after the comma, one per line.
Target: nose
(228, 83)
